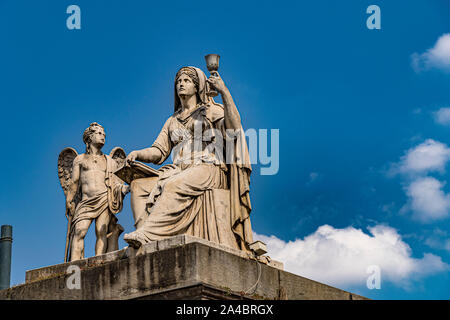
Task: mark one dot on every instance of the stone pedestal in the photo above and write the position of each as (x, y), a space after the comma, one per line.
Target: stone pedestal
(181, 267)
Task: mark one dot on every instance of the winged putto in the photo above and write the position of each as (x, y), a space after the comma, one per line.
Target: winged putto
(93, 193)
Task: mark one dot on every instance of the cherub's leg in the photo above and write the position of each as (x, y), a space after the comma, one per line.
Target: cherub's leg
(101, 231)
(114, 231)
(77, 247)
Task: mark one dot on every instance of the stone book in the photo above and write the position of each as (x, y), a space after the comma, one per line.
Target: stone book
(135, 170)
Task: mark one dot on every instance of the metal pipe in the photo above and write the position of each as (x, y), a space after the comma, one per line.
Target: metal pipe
(5, 256)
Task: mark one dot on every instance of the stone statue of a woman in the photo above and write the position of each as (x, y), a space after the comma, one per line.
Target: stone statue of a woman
(180, 200)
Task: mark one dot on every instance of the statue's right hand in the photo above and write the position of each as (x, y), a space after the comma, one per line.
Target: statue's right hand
(132, 156)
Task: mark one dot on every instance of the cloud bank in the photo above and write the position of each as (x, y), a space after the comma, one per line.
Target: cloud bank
(340, 257)
(437, 57)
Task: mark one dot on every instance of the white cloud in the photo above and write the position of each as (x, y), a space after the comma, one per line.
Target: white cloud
(340, 257)
(428, 156)
(442, 116)
(437, 57)
(427, 200)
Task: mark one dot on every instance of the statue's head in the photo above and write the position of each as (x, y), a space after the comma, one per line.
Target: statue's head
(190, 81)
(94, 134)
(186, 82)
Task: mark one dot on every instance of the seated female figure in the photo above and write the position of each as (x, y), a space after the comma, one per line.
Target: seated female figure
(180, 200)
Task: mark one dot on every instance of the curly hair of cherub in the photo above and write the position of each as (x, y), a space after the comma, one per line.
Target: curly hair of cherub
(88, 132)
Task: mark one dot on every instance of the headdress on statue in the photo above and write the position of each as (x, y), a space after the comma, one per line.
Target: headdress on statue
(199, 79)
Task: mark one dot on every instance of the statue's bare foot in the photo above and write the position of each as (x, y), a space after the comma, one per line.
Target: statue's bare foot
(132, 240)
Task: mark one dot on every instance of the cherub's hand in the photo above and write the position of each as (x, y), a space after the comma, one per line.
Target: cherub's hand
(217, 83)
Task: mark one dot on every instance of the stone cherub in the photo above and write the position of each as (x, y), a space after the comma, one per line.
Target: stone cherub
(92, 192)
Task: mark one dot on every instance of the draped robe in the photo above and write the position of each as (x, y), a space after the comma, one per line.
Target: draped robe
(181, 202)
(110, 200)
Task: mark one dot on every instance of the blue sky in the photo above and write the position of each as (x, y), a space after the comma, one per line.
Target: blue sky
(363, 153)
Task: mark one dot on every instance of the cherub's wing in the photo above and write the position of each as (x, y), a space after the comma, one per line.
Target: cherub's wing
(65, 164)
(119, 156)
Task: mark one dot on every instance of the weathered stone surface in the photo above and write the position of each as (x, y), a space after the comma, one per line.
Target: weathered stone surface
(258, 247)
(295, 287)
(51, 271)
(46, 272)
(182, 267)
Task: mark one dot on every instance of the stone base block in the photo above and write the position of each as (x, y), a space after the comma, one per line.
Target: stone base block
(181, 267)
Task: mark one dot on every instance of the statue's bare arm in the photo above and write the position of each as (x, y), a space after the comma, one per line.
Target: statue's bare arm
(151, 154)
(232, 119)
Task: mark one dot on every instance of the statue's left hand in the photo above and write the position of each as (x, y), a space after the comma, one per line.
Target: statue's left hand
(217, 83)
